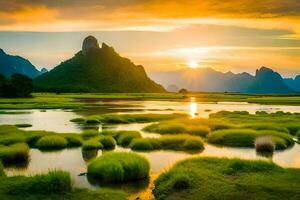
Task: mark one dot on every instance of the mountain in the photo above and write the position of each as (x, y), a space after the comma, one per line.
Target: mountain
(10, 65)
(204, 80)
(268, 81)
(209, 80)
(293, 83)
(95, 69)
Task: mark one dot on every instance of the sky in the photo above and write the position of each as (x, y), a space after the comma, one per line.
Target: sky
(162, 35)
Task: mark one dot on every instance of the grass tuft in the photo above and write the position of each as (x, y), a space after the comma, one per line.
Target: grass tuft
(119, 167)
(168, 142)
(52, 142)
(92, 144)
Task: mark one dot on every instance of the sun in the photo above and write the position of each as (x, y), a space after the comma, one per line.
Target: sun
(193, 64)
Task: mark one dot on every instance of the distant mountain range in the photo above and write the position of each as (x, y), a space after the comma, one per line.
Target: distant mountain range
(95, 69)
(265, 81)
(10, 65)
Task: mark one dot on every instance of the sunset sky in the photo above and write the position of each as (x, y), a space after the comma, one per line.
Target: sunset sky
(162, 35)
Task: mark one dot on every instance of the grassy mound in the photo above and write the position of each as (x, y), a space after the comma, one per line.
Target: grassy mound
(73, 141)
(246, 138)
(123, 138)
(216, 178)
(52, 182)
(187, 126)
(108, 142)
(54, 185)
(14, 154)
(90, 134)
(51, 142)
(119, 167)
(168, 142)
(92, 144)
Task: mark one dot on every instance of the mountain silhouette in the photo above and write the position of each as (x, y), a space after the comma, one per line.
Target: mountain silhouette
(95, 69)
(265, 81)
(268, 81)
(10, 65)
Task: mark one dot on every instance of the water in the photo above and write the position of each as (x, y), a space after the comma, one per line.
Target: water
(75, 161)
(59, 120)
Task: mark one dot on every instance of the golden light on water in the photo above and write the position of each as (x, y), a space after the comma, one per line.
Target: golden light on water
(193, 108)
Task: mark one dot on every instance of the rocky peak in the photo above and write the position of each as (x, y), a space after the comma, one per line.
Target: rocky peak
(89, 43)
(267, 73)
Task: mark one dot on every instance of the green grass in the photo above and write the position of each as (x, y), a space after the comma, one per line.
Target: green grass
(119, 167)
(168, 142)
(123, 138)
(127, 118)
(298, 136)
(92, 144)
(71, 101)
(246, 138)
(279, 121)
(196, 127)
(51, 142)
(221, 178)
(14, 154)
(73, 141)
(108, 142)
(52, 182)
(90, 134)
(54, 185)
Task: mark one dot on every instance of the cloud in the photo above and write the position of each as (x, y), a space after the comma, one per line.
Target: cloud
(135, 14)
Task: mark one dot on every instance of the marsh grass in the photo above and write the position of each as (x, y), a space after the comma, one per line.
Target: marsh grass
(92, 144)
(119, 167)
(51, 142)
(73, 141)
(123, 138)
(196, 127)
(108, 142)
(222, 178)
(14, 154)
(127, 118)
(52, 182)
(168, 142)
(246, 138)
(88, 134)
(279, 121)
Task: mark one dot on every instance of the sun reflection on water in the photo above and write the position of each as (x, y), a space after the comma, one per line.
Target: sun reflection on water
(193, 108)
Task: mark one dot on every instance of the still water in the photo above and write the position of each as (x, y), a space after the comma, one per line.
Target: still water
(59, 120)
(75, 161)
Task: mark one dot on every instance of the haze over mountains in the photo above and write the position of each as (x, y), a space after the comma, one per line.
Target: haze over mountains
(102, 69)
(265, 81)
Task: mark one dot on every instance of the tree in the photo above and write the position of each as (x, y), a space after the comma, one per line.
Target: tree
(18, 86)
(183, 91)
